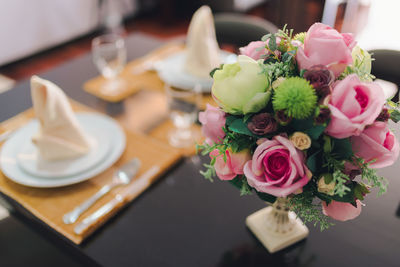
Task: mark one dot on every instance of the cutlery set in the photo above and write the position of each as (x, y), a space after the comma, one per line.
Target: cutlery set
(122, 177)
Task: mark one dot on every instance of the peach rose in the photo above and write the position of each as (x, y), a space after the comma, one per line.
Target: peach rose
(233, 166)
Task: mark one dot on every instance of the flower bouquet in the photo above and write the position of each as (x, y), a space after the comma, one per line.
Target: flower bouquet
(301, 124)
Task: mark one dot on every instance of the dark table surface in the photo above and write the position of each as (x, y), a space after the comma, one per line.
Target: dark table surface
(184, 220)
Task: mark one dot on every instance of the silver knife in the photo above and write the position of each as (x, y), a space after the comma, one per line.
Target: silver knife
(134, 189)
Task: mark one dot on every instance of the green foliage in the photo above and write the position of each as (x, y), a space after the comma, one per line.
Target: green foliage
(209, 173)
(274, 70)
(395, 115)
(307, 126)
(312, 161)
(336, 167)
(371, 177)
(308, 211)
(360, 190)
(240, 183)
(240, 127)
(296, 96)
(341, 148)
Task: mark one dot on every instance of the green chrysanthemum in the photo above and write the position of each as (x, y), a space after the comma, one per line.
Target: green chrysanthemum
(296, 96)
(300, 36)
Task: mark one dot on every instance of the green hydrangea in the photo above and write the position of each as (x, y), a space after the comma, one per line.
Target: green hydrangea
(296, 96)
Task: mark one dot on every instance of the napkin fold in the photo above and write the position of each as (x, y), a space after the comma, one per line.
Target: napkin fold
(202, 51)
(60, 136)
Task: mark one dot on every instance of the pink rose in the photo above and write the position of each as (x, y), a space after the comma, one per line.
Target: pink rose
(353, 105)
(277, 168)
(254, 50)
(212, 120)
(341, 211)
(378, 143)
(233, 166)
(326, 46)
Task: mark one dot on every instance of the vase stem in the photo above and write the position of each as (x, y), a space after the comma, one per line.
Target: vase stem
(278, 221)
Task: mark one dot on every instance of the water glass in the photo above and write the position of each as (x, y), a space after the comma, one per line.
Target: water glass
(183, 110)
(109, 56)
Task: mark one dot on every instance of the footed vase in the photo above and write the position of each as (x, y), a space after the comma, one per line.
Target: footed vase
(276, 226)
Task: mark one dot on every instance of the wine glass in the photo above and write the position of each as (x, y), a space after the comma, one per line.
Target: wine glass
(183, 110)
(109, 56)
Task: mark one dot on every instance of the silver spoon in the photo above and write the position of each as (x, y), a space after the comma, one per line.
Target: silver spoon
(122, 176)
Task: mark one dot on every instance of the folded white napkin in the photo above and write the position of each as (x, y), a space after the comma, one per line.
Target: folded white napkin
(202, 51)
(60, 136)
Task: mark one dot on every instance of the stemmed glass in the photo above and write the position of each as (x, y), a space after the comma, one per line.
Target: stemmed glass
(183, 110)
(109, 56)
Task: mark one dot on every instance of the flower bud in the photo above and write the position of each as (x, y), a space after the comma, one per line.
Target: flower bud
(300, 140)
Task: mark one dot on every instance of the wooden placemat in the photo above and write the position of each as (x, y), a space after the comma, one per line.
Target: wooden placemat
(139, 76)
(50, 204)
(136, 75)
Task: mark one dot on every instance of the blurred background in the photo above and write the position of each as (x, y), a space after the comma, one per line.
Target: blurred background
(37, 35)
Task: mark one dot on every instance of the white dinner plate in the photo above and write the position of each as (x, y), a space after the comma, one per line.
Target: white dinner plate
(171, 71)
(30, 161)
(104, 128)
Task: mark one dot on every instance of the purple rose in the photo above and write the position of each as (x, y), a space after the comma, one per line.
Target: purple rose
(321, 78)
(263, 123)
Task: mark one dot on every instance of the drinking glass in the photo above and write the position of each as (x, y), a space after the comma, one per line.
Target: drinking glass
(109, 56)
(183, 110)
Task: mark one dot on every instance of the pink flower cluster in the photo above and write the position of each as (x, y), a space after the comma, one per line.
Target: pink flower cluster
(352, 109)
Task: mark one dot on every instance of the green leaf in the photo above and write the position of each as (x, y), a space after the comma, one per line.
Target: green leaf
(287, 57)
(247, 117)
(230, 119)
(358, 192)
(272, 42)
(265, 37)
(215, 69)
(395, 116)
(236, 182)
(307, 126)
(342, 148)
(238, 126)
(240, 183)
(328, 178)
(348, 196)
(312, 161)
(327, 144)
(266, 197)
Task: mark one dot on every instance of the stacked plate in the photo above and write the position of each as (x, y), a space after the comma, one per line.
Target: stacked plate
(171, 71)
(20, 160)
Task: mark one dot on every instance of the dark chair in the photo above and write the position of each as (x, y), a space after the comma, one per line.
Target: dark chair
(239, 30)
(386, 66)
